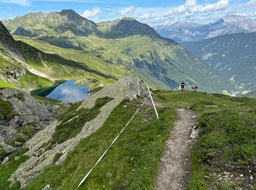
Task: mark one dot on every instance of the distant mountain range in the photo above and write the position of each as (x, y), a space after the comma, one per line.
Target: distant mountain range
(126, 46)
(189, 32)
(233, 56)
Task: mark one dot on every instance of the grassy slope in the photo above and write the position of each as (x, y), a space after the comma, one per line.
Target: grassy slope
(4, 84)
(3, 63)
(227, 140)
(33, 81)
(135, 155)
(226, 143)
(79, 56)
(58, 68)
(161, 67)
(159, 58)
(6, 171)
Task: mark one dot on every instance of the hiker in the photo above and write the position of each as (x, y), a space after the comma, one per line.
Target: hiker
(195, 88)
(182, 85)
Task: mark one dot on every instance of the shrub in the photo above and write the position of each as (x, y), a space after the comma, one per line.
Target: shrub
(6, 110)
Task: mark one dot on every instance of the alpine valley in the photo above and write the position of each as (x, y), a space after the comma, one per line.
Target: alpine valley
(232, 55)
(98, 54)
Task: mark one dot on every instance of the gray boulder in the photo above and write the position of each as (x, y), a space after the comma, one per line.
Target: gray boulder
(28, 109)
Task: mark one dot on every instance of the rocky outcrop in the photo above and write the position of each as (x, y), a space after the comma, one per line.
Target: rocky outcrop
(41, 157)
(14, 73)
(21, 110)
(27, 109)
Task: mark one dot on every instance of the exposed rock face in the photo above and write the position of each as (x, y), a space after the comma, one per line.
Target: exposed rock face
(7, 133)
(41, 158)
(26, 110)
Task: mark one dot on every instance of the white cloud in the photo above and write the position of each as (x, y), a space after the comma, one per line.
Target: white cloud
(178, 10)
(248, 8)
(253, 2)
(250, 4)
(19, 2)
(192, 7)
(127, 10)
(146, 16)
(91, 13)
(190, 4)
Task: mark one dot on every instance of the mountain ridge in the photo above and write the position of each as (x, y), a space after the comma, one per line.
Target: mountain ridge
(128, 43)
(189, 32)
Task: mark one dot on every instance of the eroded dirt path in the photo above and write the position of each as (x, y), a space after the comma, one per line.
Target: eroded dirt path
(175, 167)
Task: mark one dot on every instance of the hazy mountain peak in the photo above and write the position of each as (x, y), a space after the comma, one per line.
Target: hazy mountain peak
(231, 24)
(220, 21)
(234, 18)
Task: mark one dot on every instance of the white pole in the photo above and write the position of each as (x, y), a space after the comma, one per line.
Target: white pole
(141, 84)
(138, 83)
(152, 102)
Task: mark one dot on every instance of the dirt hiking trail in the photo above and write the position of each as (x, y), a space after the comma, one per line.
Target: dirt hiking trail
(175, 169)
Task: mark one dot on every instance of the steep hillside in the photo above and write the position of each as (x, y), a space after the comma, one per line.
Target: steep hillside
(19, 61)
(8, 47)
(127, 42)
(231, 55)
(12, 62)
(189, 32)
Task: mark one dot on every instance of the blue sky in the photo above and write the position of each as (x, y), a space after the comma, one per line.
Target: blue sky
(152, 12)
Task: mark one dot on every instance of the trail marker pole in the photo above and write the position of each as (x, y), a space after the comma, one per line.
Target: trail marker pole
(138, 83)
(153, 103)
